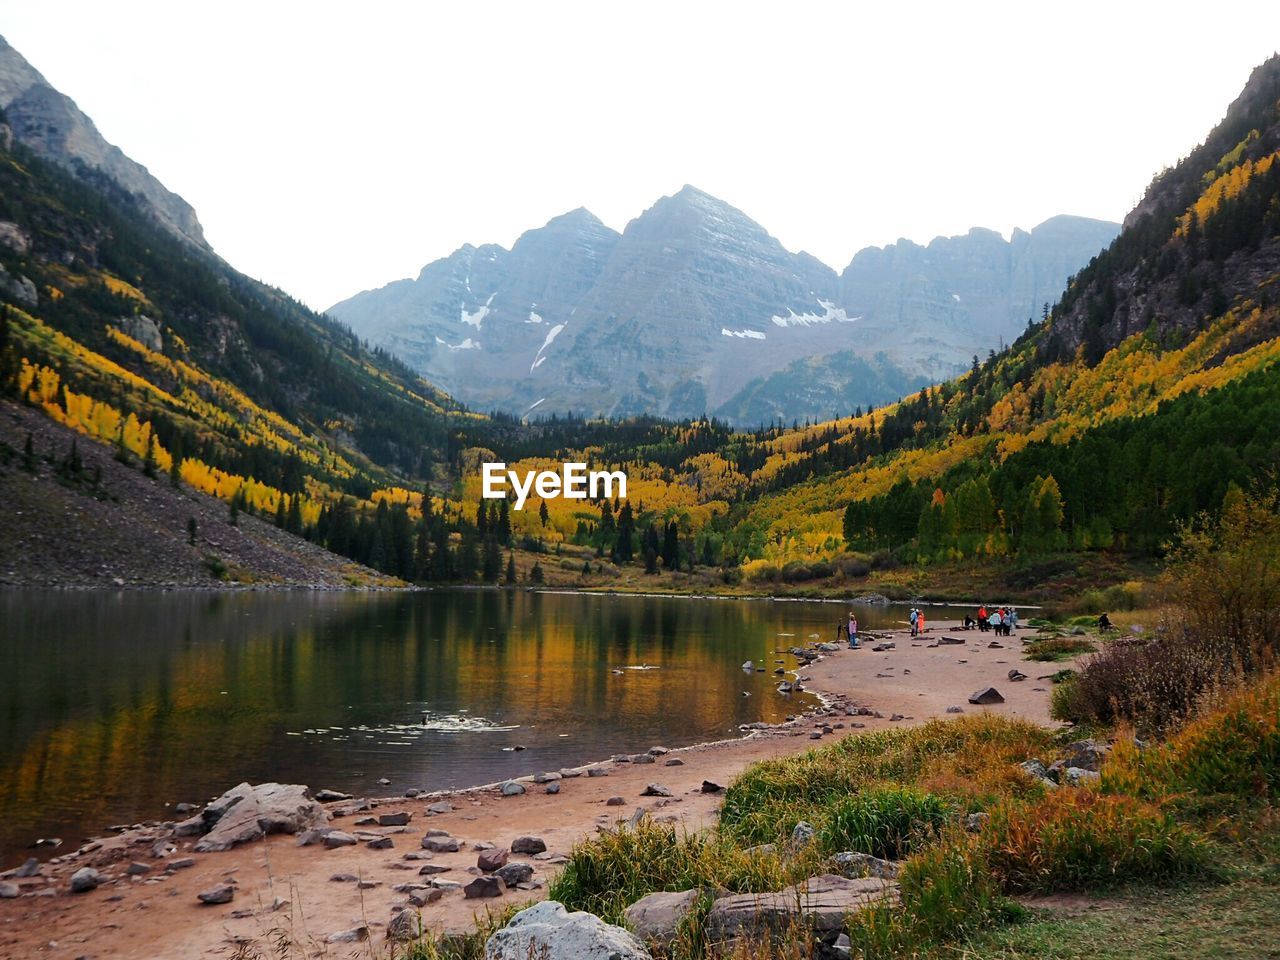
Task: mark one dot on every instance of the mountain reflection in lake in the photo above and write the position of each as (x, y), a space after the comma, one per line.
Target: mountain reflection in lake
(113, 705)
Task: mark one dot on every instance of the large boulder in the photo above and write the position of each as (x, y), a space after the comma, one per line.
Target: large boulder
(656, 918)
(549, 932)
(985, 696)
(823, 902)
(247, 813)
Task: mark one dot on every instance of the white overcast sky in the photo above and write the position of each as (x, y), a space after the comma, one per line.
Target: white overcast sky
(333, 148)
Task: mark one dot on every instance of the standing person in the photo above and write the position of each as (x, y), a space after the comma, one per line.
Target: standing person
(853, 631)
(1013, 618)
(915, 619)
(982, 618)
(995, 621)
(920, 622)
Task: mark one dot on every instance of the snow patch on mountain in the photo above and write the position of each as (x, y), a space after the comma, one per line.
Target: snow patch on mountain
(467, 344)
(477, 318)
(551, 336)
(745, 334)
(830, 314)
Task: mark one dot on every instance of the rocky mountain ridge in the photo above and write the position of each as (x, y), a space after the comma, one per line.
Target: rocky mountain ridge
(50, 124)
(695, 308)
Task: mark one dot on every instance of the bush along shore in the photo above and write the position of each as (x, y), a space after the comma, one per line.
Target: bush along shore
(966, 837)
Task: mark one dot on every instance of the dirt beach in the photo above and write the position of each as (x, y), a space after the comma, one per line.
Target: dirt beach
(156, 914)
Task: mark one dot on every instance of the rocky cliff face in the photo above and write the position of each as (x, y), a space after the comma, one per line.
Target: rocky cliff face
(696, 309)
(1171, 273)
(50, 124)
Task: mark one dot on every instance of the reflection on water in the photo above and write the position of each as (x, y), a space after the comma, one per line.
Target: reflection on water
(114, 705)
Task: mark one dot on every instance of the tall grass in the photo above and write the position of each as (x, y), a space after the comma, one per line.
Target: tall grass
(968, 760)
(605, 874)
(886, 822)
(1081, 839)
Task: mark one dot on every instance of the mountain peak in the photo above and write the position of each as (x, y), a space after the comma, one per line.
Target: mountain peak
(48, 122)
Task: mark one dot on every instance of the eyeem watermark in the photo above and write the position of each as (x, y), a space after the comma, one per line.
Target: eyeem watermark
(574, 482)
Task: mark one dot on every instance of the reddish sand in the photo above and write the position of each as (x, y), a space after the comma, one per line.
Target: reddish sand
(159, 917)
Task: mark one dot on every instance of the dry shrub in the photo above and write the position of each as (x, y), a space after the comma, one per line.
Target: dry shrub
(1224, 580)
(1080, 839)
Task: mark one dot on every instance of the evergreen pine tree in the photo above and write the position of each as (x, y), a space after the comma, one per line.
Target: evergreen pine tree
(422, 549)
(624, 548)
(191, 530)
(491, 560)
(504, 523)
(482, 520)
(536, 575)
(29, 454)
(511, 568)
(542, 512)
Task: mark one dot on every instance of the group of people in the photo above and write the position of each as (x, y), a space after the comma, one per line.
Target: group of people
(1003, 620)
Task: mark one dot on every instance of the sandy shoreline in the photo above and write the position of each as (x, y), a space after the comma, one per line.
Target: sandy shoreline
(157, 916)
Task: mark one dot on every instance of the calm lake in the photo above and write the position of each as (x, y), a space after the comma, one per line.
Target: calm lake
(115, 705)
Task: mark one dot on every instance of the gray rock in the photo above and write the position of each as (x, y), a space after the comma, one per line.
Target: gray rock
(1077, 777)
(710, 786)
(182, 863)
(440, 844)
(673, 762)
(30, 868)
(246, 813)
(433, 868)
(801, 836)
(8, 890)
(393, 819)
(343, 878)
(852, 864)
(515, 873)
(512, 789)
(568, 773)
(553, 788)
(85, 879)
(484, 887)
(656, 917)
(137, 869)
(355, 935)
(974, 822)
(491, 860)
(547, 931)
(655, 790)
(380, 843)
(985, 696)
(406, 925)
(1017, 676)
(1038, 771)
(420, 898)
(615, 802)
(955, 709)
(528, 845)
(950, 640)
(546, 777)
(440, 806)
(823, 901)
(1086, 754)
(222, 893)
(338, 838)
(597, 772)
